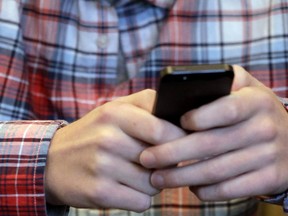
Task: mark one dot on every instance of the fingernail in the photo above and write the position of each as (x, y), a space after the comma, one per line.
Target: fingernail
(147, 159)
(157, 180)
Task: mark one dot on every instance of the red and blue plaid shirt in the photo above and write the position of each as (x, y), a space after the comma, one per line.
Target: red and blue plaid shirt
(60, 59)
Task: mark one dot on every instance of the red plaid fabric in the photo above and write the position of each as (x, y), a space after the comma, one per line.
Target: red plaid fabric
(24, 146)
(60, 58)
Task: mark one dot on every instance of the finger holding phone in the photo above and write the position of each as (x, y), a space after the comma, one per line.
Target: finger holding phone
(94, 161)
(237, 148)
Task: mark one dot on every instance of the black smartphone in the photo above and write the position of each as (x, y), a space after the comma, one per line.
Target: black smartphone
(183, 88)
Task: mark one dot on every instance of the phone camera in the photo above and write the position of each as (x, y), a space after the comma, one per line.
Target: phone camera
(184, 78)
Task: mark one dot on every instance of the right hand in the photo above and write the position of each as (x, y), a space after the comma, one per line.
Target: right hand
(94, 162)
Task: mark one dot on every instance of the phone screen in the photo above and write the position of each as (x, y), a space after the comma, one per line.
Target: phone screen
(183, 88)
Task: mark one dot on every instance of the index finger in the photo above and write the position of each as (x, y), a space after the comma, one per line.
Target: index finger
(132, 114)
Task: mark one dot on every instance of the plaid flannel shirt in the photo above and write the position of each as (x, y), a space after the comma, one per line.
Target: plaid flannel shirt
(59, 59)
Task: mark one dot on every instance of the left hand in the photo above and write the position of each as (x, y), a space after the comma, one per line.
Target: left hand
(238, 147)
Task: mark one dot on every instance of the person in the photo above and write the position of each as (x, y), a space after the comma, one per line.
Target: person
(76, 103)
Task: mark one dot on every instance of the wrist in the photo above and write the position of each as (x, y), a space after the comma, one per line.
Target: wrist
(49, 183)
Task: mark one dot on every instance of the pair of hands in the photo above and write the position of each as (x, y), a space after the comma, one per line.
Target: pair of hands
(119, 155)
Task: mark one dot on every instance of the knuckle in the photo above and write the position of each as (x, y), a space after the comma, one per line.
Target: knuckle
(273, 180)
(268, 130)
(161, 131)
(99, 195)
(175, 181)
(265, 100)
(156, 131)
(105, 113)
(173, 158)
(106, 139)
(224, 192)
(102, 164)
(270, 154)
(207, 147)
(213, 173)
(109, 111)
(233, 112)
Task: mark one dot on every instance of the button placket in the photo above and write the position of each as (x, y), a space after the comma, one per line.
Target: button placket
(102, 41)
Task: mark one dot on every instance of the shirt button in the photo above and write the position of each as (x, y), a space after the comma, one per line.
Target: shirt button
(102, 41)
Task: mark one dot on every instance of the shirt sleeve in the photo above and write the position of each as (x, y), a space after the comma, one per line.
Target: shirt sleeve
(23, 153)
(24, 144)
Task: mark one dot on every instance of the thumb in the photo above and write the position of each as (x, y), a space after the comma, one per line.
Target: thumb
(243, 79)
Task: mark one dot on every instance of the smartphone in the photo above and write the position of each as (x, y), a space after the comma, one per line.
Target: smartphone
(183, 88)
